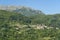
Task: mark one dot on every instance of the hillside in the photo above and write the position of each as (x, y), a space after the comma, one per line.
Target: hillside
(6, 17)
(28, 24)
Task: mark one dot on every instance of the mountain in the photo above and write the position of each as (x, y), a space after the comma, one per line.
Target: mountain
(27, 11)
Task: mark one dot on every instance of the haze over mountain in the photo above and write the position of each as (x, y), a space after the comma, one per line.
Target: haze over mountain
(47, 6)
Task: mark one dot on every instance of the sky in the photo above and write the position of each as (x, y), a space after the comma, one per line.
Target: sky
(46, 6)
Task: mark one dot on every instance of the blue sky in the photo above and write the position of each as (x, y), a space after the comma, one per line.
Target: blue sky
(47, 6)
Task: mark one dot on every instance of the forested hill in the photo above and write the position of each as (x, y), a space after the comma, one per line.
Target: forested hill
(28, 24)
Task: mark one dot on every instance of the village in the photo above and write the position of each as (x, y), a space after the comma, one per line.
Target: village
(37, 26)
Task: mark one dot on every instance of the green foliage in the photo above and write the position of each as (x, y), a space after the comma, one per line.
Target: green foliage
(11, 33)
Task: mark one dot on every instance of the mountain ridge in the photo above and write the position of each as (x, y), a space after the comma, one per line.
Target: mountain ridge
(27, 11)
